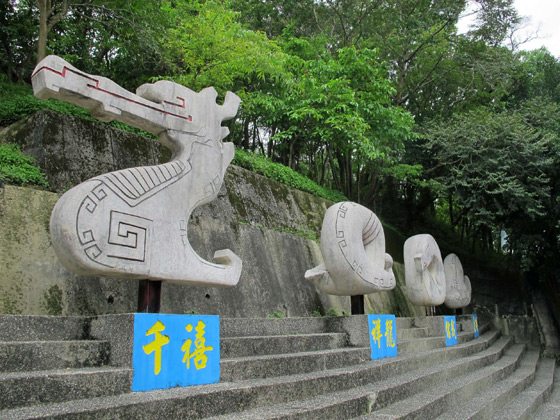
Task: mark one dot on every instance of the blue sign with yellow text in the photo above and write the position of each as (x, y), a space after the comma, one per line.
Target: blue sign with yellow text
(450, 330)
(382, 336)
(175, 350)
(475, 326)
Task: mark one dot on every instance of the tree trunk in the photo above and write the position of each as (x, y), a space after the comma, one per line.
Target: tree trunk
(333, 170)
(401, 72)
(270, 145)
(323, 168)
(291, 157)
(450, 200)
(349, 177)
(342, 172)
(44, 11)
(46, 21)
(245, 142)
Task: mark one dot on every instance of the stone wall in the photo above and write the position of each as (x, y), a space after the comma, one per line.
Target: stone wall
(265, 223)
(275, 257)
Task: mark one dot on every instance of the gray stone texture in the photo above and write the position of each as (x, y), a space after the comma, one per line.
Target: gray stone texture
(489, 377)
(132, 223)
(424, 273)
(71, 150)
(260, 220)
(457, 285)
(353, 250)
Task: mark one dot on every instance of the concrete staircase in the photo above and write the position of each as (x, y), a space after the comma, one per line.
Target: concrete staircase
(293, 368)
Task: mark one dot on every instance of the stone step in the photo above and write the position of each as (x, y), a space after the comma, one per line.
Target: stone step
(525, 404)
(435, 324)
(405, 323)
(339, 405)
(440, 395)
(251, 367)
(411, 384)
(419, 345)
(43, 328)
(259, 367)
(487, 402)
(443, 354)
(550, 409)
(229, 397)
(356, 401)
(250, 327)
(21, 356)
(279, 344)
(411, 333)
(29, 388)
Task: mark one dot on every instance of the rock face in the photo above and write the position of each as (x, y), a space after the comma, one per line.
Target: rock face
(353, 249)
(265, 223)
(425, 277)
(72, 150)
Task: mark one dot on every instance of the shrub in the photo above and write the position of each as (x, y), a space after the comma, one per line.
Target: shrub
(18, 169)
(283, 174)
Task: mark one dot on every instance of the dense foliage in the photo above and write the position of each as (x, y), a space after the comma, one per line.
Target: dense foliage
(18, 169)
(381, 100)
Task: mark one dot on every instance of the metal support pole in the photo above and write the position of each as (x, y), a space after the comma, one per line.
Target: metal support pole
(149, 296)
(357, 304)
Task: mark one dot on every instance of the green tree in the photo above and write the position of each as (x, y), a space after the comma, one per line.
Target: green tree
(207, 46)
(536, 74)
(116, 38)
(340, 114)
(493, 169)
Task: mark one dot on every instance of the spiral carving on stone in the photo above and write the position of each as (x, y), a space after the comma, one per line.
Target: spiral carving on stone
(353, 249)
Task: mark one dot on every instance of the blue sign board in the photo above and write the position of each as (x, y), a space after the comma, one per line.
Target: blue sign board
(175, 350)
(475, 326)
(382, 336)
(450, 330)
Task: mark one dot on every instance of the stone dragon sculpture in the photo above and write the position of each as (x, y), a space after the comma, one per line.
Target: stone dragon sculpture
(132, 223)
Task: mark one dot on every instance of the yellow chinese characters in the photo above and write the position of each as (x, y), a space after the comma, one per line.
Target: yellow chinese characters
(475, 324)
(160, 340)
(376, 332)
(450, 329)
(198, 354)
(389, 333)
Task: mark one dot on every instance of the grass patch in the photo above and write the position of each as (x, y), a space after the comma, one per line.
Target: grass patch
(18, 169)
(17, 102)
(280, 173)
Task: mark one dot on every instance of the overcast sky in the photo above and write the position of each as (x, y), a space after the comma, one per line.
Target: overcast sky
(544, 19)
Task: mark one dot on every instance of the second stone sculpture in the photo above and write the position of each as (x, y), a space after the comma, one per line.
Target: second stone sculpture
(353, 248)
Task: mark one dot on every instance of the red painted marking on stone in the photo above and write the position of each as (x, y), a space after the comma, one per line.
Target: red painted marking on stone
(182, 105)
(96, 87)
(370, 231)
(372, 239)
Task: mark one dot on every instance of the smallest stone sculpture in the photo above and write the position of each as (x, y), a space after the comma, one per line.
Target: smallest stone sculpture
(353, 248)
(424, 273)
(458, 286)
